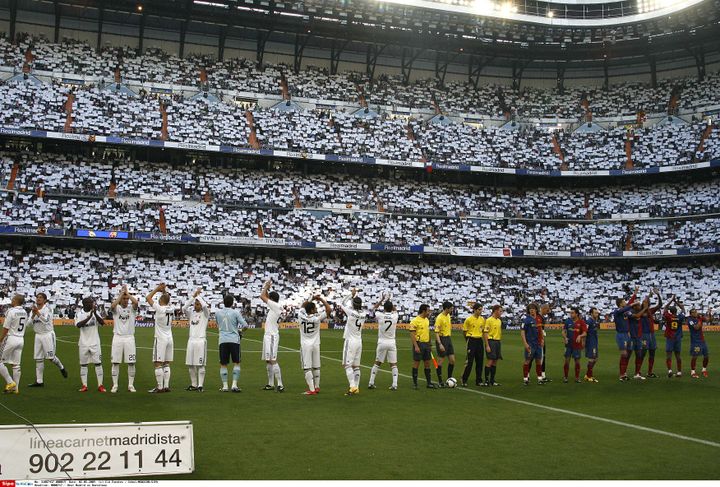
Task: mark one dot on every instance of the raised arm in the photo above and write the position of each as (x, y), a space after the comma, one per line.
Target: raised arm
(328, 310)
(150, 297)
(134, 301)
(116, 301)
(653, 309)
(264, 293)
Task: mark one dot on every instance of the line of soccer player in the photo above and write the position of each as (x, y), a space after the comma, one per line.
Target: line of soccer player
(634, 328)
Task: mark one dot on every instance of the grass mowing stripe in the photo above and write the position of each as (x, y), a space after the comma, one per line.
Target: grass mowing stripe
(551, 408)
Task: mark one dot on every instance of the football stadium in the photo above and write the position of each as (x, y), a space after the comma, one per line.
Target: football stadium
(335, 240)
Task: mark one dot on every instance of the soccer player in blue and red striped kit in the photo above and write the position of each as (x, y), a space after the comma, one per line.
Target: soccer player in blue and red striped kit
(673, 334)
(622, 335)
(698, 346)
(635, 331)
(647, 328)
(591, 343)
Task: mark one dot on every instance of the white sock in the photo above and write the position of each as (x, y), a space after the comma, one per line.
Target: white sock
(201, 375)
(350, 376)
(16, 375)
(57, 363)
(373, 374)
(115, 373)
(395, 374)
(270, 374)
(99, 374)
(309, 380)
(316, 378)
(193, 375)
(166, 376)
(39, 371)
(278, 375)
(224, 376)
(83, 374)
(236, 375)
(704, 369)
(159, 377)
(4, 373)
(131, 375)
(356, 379)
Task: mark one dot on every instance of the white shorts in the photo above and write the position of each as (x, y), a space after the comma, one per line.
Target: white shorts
(162, 350)
(11, 350)
(386, 352)
(270, 347)
(352, 353)
(310, 356)
(196, 352)
(123, 349)
(44, 346)
(90, 354)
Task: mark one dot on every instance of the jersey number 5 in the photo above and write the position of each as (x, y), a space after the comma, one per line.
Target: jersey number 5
(21, 324)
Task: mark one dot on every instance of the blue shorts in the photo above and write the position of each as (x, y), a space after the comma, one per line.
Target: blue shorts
(639, 344)
(699, 349)
(650, 339)
(591, 349)
(535, 353)
(568, 351)
(672, 345)
(575, 353)
(623, 341)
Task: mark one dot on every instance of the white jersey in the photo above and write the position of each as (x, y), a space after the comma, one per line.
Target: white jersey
(15, 321)
(355, 321)
(163, 321)
(198, 320)
(387, 324)
(89, 336)
(310, 327)
(124, 320)
(272, 320)
(42, 322)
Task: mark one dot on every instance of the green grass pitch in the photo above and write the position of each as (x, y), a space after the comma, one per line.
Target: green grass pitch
(408, 434)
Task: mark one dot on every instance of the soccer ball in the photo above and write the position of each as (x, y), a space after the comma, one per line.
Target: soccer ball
(451, 382)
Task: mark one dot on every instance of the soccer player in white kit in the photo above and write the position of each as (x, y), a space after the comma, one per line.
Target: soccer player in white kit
(88, 320)
(198, 314)
(163, 345)
(386, 346)
(41, 317)
(352, 349)
(12, 339)
(124, 308)
(271, 338)
(309, 320)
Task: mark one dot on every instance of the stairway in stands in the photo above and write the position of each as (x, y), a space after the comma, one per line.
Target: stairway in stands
(162, 223)
(252, 138)
(68, 110)
(703, 137)
(13, 176)
(284, 87)
(559, 152)
(164, 134)
(629, 164)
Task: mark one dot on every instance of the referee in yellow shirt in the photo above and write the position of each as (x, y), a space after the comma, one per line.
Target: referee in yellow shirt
(473, 329)
(420, 336)
(492, 333)
(443, 341)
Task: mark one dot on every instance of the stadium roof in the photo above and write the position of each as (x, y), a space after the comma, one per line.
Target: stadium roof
(436, 35)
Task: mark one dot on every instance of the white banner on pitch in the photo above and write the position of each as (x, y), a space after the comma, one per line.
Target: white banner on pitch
(103, 450)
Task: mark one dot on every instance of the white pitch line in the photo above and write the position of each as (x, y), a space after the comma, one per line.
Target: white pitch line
(551, 408)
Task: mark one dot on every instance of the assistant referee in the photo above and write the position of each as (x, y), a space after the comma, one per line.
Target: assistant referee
(420, 336)
(473, 329)
(492, 333)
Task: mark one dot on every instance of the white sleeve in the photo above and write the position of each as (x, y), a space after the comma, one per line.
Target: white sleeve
(273, 306)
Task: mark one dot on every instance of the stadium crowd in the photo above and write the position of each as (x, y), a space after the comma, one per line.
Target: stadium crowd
(67, 275)
(154, 65)
(65, 174)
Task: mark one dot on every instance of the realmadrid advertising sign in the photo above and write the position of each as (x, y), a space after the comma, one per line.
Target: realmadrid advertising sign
(106, 450)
